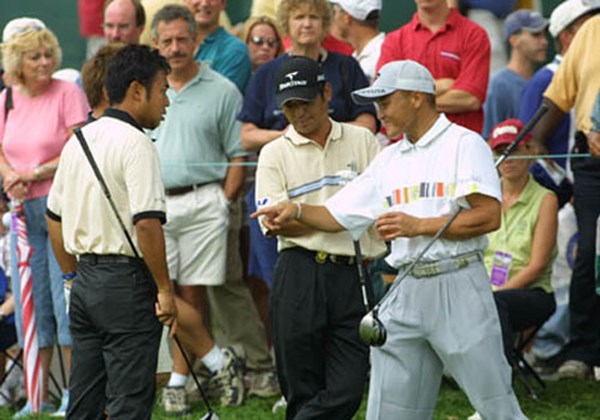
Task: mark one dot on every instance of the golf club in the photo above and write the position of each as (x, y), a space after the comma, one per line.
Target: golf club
(210, 415)
(371, 329)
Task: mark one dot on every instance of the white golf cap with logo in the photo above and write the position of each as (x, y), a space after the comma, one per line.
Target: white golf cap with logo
(568, 12)
(404, 75)
(358, 9)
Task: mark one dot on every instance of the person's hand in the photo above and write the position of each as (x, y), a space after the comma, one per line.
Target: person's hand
(443, 85)
(67, 284)
(277, 215)
(166, 311)
(594, 143)
(397, 224)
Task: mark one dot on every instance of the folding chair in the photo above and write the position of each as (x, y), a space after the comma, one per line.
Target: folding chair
(522, 370)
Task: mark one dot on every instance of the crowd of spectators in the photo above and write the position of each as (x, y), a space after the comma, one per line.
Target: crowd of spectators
(490, 64)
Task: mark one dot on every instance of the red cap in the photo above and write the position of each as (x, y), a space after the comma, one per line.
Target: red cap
(506, 132)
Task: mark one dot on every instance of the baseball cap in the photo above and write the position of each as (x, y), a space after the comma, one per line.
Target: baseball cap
(523, 20)
(506, 132)
(568, 12)
(21, 25)
(298, 78)
(358, 9)
(397, 75)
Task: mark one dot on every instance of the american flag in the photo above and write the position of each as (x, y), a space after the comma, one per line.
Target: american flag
(31, 354)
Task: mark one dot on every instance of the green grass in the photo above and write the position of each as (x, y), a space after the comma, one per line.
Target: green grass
(565, 400)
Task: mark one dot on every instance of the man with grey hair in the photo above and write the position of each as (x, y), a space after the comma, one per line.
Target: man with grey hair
(442, 315)
(198, 131)
(124, 21)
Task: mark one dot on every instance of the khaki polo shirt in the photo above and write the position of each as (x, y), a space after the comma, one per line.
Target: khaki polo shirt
(129, 163)
(298, 169)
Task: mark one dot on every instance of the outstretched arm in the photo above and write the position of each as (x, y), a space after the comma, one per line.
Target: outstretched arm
(276, 217)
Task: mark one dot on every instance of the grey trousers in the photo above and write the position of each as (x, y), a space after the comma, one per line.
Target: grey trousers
(115, 342)
(449, 320)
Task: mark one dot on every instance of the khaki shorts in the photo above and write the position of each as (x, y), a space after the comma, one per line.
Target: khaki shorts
(196, 236)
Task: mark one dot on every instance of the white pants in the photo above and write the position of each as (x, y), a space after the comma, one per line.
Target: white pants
(449, 320)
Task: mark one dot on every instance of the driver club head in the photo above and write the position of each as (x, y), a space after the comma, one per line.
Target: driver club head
(372, 331)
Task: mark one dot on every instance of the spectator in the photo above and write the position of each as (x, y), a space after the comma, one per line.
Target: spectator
(575, 85)
(519, 255)
(525, 31)
(455, 50)
(199, 127)
(124, 21)
(91, 14)
(225, 53)
(263, 40)
(358, 21)
(32, 134)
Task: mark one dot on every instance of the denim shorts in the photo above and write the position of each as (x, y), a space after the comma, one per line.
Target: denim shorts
(48, 296)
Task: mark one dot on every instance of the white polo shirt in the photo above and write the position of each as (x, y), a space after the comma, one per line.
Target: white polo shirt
(298, 169)
(369, 56)
(130, 166)
(427, 179)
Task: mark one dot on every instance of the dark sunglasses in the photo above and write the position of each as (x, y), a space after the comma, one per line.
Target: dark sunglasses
(259, 40)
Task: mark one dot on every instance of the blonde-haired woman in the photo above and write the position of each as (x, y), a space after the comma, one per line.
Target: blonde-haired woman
(264, 42)
(37, 114)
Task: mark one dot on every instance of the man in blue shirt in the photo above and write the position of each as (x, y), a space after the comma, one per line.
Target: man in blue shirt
(226, 54)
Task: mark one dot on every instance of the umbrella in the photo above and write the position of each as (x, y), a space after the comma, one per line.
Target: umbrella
(31, 362)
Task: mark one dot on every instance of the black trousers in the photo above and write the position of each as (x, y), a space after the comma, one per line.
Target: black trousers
(520, 309)
(584, 302)
(116, 336)
(315, 310)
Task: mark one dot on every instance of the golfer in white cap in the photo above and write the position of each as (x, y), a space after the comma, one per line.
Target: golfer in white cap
(443, 313)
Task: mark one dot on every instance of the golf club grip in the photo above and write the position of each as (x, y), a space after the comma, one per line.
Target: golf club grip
(539, 113)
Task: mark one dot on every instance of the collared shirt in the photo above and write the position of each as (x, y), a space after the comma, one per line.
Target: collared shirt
(200, 133)
(460, 50)
(129, 164)
(260, 107)
(296, 168)
(228, 56)
(429, 178)
(369, 56)
(577, 80)
(516, 234)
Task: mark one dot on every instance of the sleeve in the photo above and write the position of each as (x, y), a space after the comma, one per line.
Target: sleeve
(475, 68)
(533, 94)
(476, 173)
(596, 114)
(390, 49)
(270, 178)
(75, 105)
(358, 80)
(229, 126)
(563, 88)
(144, 182)
(358, 204)
(236, 66)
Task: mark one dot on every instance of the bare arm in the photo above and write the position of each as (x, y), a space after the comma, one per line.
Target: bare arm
(481, 218)
(544, 241)
(66, 261)
(253, 138)
(455, 100)
(365, 120)
(594, 143)
(234, 180)
(277, 217)
(152, 244)
(547, 124)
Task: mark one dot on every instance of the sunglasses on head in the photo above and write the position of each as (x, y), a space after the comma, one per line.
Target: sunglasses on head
(259, 40)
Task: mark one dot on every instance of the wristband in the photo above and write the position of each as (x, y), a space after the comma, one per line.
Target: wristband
(298, 210)
(69, 276)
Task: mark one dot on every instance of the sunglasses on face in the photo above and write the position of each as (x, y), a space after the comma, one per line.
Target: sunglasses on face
(259, 40)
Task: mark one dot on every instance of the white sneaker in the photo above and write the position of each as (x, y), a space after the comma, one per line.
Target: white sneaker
(64, 403)
(281, 404)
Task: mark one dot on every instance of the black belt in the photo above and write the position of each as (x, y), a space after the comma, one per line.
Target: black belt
(322, 257)
(95, 259)
(186, 189)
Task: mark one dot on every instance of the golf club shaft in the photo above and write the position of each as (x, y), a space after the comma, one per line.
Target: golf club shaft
(191, 369)
(362, 276)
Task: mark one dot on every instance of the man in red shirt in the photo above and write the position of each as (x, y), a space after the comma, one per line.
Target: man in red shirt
(455, 50)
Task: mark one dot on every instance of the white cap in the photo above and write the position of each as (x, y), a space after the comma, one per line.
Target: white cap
(398, 75)
(21, 25)
(358, 9)
(568, 12)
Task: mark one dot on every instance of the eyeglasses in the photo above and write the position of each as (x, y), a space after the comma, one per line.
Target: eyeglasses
(259, 40)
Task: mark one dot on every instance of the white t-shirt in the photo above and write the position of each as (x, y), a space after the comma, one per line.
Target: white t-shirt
(369, 56)
(427, 179)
